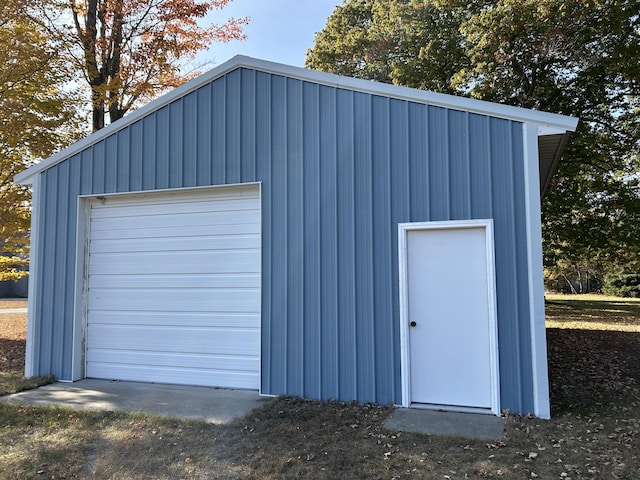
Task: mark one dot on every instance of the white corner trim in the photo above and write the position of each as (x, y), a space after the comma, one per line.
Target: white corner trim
(260, 389)
(538, 333)
(403, 285)
(34, 262)
(405, 356)
(554, 122)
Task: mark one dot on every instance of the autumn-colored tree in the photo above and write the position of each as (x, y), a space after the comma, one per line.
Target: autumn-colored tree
(129, 51)
(37, 118)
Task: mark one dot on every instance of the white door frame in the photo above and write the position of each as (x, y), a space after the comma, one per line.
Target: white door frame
(403, 230)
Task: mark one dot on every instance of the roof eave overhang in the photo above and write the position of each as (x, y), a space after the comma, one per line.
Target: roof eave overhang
(549, 160)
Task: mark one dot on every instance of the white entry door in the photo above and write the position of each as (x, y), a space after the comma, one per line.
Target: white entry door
(449, 315)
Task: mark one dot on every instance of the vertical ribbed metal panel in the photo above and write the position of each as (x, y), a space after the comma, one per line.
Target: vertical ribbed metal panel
(149, 147)
(345, 237)
(176, 138)
(312, 341)
(400, 209)
(339, 170)
(364, 260)
(328, 251)
(382, 231)
(294, 256)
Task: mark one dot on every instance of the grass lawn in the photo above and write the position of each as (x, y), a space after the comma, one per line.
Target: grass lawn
(594, 433)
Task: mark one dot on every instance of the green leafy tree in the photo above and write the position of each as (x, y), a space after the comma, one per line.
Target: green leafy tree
(578, 58)
(353, 43)
(623, 281)
(393, 42)
(38, 117)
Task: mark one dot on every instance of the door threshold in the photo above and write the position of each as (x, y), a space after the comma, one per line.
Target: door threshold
(452, 408)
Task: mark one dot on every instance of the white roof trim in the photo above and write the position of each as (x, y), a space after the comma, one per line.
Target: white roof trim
(544, 130)
(545, 121)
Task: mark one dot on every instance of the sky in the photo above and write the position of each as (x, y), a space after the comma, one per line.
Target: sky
(279, 30)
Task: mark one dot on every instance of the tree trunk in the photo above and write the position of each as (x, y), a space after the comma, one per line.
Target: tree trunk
(88, 37)
(113, 63)
(97, 112)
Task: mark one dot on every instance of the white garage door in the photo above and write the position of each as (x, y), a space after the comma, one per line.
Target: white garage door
(173, 291)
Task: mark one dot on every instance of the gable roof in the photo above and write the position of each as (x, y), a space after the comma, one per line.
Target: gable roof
(553, 129)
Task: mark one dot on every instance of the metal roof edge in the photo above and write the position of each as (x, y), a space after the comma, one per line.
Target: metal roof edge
(551, 120)
(545, 119)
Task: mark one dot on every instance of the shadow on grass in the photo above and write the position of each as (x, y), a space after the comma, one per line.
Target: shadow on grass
(65, 443)
(592, 368)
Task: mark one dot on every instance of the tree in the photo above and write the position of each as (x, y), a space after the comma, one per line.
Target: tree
(129, 51)
(38, 117)
(578, 58)
(353, 44)
(392, 42)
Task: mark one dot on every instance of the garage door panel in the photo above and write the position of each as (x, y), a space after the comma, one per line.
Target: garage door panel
(173, 290)
(190, 361)
(109, 213)
(170, 206)
(172, 232)
(221, 341)
(177, 221)
(168, 263)
(177, 376)
(198, 300)
(177, 244)
(182, 201)
(169, 319)
(177, 281)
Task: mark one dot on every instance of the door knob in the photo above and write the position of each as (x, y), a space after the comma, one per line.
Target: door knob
(413, 324)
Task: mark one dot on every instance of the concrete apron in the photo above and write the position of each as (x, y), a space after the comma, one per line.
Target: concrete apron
(212, 405)
(450, 424)
(218, 405)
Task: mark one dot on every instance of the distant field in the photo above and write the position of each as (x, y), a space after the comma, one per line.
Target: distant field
(593, 312)
(13, 303)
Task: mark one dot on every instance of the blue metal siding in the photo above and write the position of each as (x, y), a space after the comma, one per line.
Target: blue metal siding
(339, 170)
(345, 180)
(364, 261)
(311, 347)
(329, 355)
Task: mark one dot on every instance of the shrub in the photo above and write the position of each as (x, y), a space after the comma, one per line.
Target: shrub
(622, 284)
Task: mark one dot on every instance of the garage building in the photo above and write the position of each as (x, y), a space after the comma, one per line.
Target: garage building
(295, 232)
